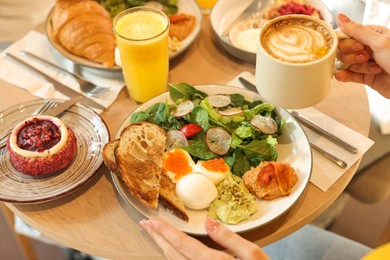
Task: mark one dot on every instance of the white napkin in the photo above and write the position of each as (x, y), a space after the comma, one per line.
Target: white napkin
(377, 12)
(325, 172)
(37, 43)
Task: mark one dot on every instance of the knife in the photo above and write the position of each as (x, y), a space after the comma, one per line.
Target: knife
(330, 156)
(59, 109)
(55, 111)
(58, 85)
(248, 84)
(305, 121)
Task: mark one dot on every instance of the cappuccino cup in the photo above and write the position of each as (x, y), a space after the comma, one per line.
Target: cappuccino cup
(295, 61)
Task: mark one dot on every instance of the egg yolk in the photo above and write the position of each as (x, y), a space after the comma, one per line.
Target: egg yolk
(216, 165)
(177, 162)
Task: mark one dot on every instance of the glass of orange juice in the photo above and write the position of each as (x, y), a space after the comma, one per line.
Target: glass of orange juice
(142, 41)
(206, 5)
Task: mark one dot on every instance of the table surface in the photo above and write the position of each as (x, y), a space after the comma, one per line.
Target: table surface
(96, 220)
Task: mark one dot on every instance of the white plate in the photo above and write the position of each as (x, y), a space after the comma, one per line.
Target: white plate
(184, 6)
(226, 11)
(293, 148)
(91, 133)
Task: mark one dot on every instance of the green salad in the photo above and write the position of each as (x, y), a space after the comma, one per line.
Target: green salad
(208, 126)
(114, 7)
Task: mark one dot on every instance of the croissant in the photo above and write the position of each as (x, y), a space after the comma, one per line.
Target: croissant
(84, 28)
(270, 180)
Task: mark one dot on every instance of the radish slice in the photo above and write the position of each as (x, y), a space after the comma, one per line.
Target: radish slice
(183, 109)
(265, 124)
(218, 140)
(219, 100)
(230, 111)
(175, 138)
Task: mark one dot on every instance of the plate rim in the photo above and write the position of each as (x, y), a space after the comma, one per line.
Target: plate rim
(119, 184)
(66, 191)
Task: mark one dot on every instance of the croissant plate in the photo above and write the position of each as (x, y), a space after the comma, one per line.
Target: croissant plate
(84, 28)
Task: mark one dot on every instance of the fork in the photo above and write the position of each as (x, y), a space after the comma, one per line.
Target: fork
(86, 86)
(45, 107)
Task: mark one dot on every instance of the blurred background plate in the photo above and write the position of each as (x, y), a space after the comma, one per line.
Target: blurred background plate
(226, 11)
(84, 65)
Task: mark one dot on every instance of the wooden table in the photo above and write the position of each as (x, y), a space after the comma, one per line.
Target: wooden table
(97, 221)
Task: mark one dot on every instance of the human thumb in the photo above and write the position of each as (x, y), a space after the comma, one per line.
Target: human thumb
(356, 30)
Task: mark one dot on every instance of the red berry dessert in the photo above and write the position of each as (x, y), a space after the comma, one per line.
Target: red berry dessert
(41, 145)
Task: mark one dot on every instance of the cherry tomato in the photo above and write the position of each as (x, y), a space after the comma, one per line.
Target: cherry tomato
(191, 130)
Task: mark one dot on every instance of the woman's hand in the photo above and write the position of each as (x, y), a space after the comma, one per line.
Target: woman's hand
(368, 52)
(178, 245)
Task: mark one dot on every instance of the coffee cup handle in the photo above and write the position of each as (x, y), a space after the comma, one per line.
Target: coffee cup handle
(339, 65)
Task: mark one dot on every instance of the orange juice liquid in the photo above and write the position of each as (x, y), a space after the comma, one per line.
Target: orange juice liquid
(142, 40)
(206, 4)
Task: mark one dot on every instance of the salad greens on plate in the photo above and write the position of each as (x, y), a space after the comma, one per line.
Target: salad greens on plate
(204, 125)
(114, 7)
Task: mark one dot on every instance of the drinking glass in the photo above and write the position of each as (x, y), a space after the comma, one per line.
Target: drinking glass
(206, 5)
(142, 40)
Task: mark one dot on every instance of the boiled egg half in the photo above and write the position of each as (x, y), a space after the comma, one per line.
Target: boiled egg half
(214, 169)
(177, 163)
(196, 191)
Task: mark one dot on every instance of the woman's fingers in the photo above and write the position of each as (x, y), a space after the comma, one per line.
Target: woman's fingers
(350, 45)
(169, 250)
(232, 241)
(365, 68)
(175, 243)
(361, 33)
(349, 76)
(352, 57)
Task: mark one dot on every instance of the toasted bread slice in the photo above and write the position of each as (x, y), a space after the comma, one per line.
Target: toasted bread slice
(169, 199)
(109, 156)
(139, 156)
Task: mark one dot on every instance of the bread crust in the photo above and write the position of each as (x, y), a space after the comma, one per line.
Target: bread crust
(136, 157)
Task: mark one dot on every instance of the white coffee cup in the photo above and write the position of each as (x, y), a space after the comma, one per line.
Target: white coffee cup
(295, 82)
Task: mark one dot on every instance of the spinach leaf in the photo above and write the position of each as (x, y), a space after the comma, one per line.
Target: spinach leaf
(238, 100)
(200, 116)
(158, 113)
(139, 117)
(198, 148)
(183, 91)
(241, 163)
(259, 150)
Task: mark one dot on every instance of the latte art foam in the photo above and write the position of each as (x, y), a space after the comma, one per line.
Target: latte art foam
(297, 41)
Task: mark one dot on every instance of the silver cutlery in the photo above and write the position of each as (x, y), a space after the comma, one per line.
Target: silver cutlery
(58, 85)
(330, 156)
(86, 86)
(307, 122)
(247, 84)
(46, 106)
